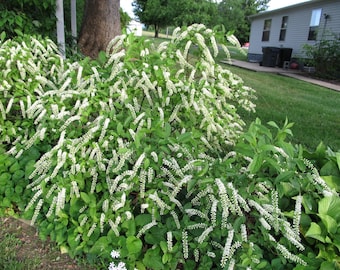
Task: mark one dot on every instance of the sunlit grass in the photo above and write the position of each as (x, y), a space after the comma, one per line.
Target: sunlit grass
(314, 110)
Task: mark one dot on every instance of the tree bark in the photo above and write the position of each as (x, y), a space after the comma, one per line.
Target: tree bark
(101, 23)
(156, 30)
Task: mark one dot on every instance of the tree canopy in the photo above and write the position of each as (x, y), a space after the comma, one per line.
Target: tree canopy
(153, 12)
(233, 14)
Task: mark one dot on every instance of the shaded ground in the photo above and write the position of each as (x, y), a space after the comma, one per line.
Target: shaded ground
(20, 248)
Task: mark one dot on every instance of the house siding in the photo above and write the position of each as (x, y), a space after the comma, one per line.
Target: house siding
(297, 28)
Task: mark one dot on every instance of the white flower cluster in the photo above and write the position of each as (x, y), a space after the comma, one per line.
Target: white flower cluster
(317, 180)
(120, 266)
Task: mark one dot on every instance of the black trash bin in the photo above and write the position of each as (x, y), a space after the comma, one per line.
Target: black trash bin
(285, 54)
(270, 55)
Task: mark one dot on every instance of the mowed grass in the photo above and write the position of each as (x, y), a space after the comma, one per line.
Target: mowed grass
(314, 110)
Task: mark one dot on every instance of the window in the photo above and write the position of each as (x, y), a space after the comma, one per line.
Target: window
(266, 30)
(314, 24)
(283, 30)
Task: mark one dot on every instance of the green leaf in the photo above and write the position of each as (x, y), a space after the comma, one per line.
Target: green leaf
(143, 219)
(330, 206)
(167, 130)
(153, 259)
(3, 35)
(329, 222)
(273, 124)
(284, 176)
(192, 183)
(100, 246)
(309, 203)
(261, 265)
(4, 178)
(164, 246)
(321, 150)
(134, 245)
(256, 163)
(18, 175)
(29, 168)
(120, 129)
(315, 232)
(336, 242)
(86, 198)
(337, 155)
(130, 226)
(330, 168)
(15, 166)
(154, 236)
(327, 266)
(204, 170)
(185, 137)
(102, 57)
(332, 181)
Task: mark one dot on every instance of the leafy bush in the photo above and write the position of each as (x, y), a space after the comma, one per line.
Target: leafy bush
(321, 230)
(14, 179)
(143, 152)
(19, 17)
(325, 56)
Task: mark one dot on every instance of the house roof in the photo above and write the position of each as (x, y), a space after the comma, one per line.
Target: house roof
(265, 13)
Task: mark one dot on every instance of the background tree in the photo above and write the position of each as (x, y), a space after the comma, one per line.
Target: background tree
(101, 23)
(125, 19)
(233, 14)
(194, 11)
(162, 13)
(156, 13)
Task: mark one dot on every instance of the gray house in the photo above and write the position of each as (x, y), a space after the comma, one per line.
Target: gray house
(284, 31)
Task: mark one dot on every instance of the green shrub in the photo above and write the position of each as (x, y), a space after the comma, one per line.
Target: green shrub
(27, 17)
(144, 153)
(321, 231)
(325, 56)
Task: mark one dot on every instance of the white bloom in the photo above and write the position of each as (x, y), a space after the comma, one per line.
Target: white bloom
(93, 227)
(115, 254)
(206, 232)
(61, 200)
(169, 240)
(244, 233)
(146, 227)
(185, 244)
(119, 266)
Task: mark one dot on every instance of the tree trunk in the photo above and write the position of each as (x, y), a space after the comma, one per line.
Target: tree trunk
(156, 30)
(101, 23)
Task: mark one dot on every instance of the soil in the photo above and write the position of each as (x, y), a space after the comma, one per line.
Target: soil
(45, 254)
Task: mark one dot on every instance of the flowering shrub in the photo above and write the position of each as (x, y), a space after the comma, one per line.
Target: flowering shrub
(143, 152)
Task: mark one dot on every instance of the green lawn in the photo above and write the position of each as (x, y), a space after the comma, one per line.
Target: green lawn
(314, 110)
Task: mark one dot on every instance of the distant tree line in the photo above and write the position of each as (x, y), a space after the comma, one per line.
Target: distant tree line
(31, 17)
(232, 14)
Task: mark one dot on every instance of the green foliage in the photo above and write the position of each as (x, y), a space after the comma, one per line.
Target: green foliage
(321, 231)
(325, 56)
(160, 13)
(232, 14)
(14, 180)
(237, 12)
(19, 17)
(142, 151)
(124, 19)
